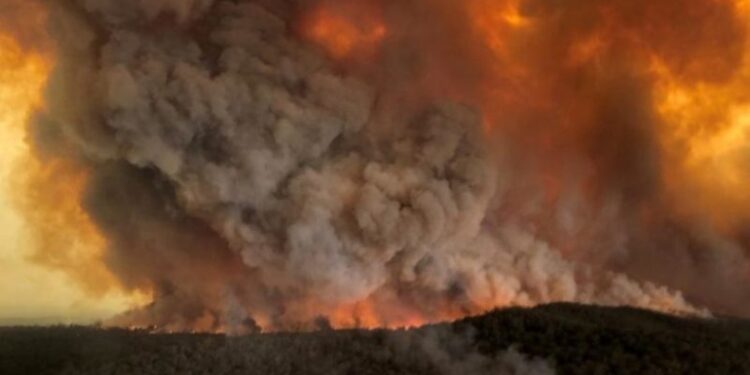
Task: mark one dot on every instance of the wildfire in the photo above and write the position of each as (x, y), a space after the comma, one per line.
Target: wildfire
(386, 311)
(557, 81)
(704, 126)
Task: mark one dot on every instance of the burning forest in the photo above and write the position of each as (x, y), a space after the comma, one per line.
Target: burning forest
(244, 165)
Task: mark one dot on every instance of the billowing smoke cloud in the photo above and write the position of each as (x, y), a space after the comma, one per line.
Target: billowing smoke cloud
(250, 179)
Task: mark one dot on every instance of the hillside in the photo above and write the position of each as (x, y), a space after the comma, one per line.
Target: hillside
(572, 339)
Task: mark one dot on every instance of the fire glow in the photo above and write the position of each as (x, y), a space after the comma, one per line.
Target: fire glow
(342, 36)
(44, 192)
(603, 122)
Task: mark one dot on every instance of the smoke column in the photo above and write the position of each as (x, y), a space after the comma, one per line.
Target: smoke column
(268, 164)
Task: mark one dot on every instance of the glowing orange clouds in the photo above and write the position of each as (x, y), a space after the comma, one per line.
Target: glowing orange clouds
(44, 228)
(706, 138)
(495, 18)
(47, 192)
(345, 30)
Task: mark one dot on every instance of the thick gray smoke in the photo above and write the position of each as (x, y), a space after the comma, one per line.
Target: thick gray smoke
(241, 175)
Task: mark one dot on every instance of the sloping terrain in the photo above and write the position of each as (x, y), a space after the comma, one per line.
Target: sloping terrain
(571, 339)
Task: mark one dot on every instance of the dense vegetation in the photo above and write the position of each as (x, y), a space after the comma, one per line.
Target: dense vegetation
(574, 339)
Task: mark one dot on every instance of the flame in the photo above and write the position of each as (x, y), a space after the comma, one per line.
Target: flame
(383, 310)
(345, 30)
(52, 229)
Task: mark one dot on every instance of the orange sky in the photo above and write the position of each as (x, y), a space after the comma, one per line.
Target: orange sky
(30, 293)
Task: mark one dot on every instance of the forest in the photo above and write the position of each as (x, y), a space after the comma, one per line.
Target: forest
(559, 338)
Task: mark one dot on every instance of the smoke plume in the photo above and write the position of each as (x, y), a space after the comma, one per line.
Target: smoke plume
(382, 163)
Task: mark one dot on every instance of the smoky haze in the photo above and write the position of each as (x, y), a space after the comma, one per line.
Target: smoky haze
(254, 173)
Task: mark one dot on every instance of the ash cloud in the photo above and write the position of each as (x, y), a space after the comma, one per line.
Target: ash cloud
(237, 171)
